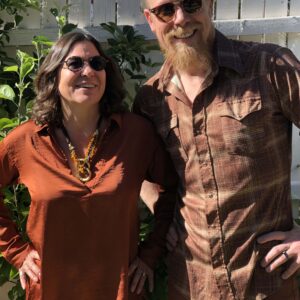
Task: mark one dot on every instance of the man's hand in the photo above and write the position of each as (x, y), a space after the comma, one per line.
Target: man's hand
(172, 238)
(288, 250)
(30, 268)
(140, 272)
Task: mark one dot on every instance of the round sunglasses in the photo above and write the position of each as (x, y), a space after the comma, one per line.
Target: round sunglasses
(166, 11)
(77, 63)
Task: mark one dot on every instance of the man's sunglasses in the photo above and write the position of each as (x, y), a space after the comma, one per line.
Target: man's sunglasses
(166, 12)
(76, 63)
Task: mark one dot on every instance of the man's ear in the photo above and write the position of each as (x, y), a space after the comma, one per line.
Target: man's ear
(148, 17)
(211, 7)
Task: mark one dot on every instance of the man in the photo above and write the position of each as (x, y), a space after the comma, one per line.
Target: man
(225, 111)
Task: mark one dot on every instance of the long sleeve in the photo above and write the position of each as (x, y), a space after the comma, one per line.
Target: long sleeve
(285, 79)
(13, 248)
(163, 176)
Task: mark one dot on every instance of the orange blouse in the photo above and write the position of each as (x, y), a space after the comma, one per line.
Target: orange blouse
(86, 233)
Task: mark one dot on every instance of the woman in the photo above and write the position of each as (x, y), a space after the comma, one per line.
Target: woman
(83, 160)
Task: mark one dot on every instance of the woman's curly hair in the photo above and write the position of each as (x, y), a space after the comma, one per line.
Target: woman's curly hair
(47, 105)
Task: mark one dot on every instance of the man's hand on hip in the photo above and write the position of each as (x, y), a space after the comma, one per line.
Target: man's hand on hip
(288, 250)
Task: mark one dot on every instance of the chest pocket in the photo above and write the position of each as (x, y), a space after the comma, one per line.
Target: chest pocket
(242, 122)
(170, 133)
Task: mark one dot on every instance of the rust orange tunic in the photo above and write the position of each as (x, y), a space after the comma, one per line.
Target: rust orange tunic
(85, 234)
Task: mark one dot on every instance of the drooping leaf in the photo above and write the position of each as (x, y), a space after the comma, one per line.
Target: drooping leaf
(6, 92)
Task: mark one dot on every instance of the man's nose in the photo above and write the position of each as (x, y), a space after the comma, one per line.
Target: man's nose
(181, 17)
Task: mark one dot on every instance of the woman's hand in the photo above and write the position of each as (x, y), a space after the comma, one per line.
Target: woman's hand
(140, 272)
(30, 268)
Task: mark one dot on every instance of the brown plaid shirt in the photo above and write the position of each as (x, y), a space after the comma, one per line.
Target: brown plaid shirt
(232, 151)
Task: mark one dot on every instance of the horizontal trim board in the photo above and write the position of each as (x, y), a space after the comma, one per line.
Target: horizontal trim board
(23, 37)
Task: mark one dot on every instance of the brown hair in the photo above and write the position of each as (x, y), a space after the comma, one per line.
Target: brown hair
(47, 105)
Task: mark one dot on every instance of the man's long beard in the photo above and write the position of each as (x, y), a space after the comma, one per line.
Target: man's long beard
(187, 57)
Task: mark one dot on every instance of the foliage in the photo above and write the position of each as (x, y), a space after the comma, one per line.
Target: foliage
(13, 9)
(127, 48)
(61, 17)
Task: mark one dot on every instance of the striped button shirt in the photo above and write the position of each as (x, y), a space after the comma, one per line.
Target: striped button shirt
(232, 151)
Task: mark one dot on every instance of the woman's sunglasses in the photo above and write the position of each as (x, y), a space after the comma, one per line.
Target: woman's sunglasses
(76, 63)
(166, 12)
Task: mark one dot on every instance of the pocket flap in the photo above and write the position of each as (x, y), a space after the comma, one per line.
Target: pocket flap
(240, 108)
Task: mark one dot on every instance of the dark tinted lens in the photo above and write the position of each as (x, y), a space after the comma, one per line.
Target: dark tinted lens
(98, 63)
(191, 6)
(165, 12)
(74, 63)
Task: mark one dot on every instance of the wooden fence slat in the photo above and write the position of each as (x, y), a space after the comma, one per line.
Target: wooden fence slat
(294, 43)
(253, 38)
(32, 19)
(227, 9)
(276, 8)
(295, 8)
(276, 38)
(129, 12)
(80, 13)
(104, 11)
(252, 9)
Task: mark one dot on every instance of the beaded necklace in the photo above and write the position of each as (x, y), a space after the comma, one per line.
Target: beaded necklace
(83, 165)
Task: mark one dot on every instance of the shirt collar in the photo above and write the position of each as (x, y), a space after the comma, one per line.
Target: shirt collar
(225, 55)
(112, 119)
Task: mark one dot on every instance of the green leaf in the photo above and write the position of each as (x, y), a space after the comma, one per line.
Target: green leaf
(27, 63)
(109, 28)
(112, 42)
(68, 28)
(9, 25)
(42, 40)
(6, 92)
(3, 114)
(18, 19)
(11, 69)
(13, 273)
(7, 123)
(54, 12)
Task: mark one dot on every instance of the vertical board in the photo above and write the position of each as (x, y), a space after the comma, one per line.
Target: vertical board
(80, 12)
(276, 38)
(227, 9)
(276, 8)
(48, 20)
(252, 38)
(129, 12)
(104, 11)
(251, 9)
(294, 8)
(32, 19)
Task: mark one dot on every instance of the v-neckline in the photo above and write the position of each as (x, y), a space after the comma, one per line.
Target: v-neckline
(58, 137)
